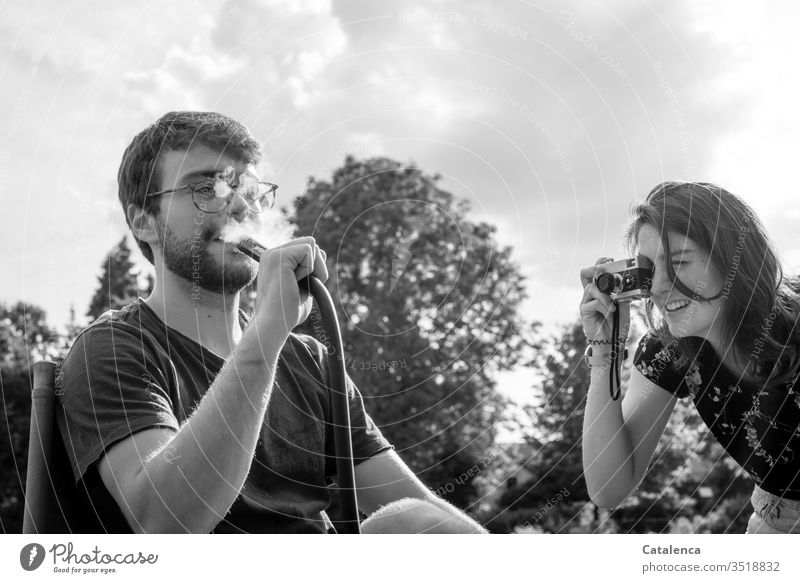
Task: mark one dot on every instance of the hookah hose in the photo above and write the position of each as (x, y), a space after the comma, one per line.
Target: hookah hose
(342, 440)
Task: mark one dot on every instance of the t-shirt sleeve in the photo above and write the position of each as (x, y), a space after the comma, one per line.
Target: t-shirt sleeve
(656, 363)
(110, 386)
(366, 436)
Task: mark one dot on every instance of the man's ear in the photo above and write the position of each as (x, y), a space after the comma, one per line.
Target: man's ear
(143, 225)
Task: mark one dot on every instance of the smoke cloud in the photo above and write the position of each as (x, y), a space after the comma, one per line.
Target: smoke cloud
(269, 228)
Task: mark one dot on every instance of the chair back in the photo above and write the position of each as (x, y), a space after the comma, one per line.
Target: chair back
(43, 513)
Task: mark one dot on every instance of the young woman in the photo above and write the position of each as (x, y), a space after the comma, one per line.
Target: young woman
(723, 331)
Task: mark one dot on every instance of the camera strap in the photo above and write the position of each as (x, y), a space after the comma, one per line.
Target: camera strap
(614, 355)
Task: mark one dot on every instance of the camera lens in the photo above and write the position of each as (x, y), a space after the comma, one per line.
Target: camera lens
(606, 282)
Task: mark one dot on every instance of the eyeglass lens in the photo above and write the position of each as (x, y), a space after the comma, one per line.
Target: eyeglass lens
(214, 195)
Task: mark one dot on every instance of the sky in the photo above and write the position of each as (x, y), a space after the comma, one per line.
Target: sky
(550, 118)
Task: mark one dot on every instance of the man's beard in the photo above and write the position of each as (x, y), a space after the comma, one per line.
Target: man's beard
(192, 261)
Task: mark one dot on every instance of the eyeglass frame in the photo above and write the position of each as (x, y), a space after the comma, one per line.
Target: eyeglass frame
(273, 191)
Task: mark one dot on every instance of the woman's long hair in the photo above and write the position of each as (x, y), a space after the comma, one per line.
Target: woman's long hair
(760, 313)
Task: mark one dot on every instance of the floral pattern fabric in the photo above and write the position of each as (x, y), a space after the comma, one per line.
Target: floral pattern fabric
(759, 426)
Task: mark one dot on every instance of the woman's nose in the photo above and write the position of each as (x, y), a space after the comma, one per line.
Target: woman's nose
(661, 281)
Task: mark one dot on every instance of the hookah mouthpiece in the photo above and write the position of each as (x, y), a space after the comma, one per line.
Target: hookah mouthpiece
(251, 248)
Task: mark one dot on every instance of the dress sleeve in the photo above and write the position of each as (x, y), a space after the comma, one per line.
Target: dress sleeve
(657, 364)
(110, 386)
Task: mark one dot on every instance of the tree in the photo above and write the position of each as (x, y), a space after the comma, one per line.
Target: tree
(552, 490)
(118, 284)
(428, 305)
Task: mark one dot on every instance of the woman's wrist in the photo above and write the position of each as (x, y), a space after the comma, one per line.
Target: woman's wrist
(601, 354)
(598, 349)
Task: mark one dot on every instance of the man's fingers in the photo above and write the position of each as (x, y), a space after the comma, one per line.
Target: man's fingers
(312, 262)
(296, 242)
(320, 265)
(305, 260)
(302, 256)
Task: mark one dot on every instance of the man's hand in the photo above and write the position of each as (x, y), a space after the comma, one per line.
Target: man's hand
(279, 299)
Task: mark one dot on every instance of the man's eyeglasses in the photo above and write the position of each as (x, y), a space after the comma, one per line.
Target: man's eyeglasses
(213, 195)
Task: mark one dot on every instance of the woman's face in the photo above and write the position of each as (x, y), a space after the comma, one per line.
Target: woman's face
(685, 316)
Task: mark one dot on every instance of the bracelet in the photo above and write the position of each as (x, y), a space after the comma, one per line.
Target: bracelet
(620, 342)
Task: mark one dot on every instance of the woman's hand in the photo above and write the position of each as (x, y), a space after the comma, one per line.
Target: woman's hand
(598, 308)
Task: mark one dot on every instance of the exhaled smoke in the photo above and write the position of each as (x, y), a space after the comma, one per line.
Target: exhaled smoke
(269, 229)
(223, 180)
(222, 187)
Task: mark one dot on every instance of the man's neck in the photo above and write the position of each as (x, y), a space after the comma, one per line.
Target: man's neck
(210, 319)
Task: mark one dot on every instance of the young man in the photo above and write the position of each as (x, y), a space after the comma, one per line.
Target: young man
(179, 414)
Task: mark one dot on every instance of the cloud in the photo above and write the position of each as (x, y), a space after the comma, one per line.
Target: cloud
(288, 46)
(550, 118)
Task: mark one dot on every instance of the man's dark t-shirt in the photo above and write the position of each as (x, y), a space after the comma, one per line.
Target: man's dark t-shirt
(128, 372)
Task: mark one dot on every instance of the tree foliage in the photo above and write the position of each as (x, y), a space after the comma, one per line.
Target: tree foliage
(428, 305)
(118, 284)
